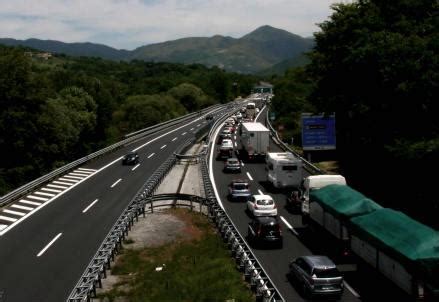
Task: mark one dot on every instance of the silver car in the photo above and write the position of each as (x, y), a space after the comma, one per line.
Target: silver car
(317, 276)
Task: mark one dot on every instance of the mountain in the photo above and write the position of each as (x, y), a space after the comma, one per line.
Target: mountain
(255, 52)
(281, 67)
(72, 49)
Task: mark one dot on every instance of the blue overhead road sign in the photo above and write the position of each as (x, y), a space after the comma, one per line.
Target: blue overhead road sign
(318, 132)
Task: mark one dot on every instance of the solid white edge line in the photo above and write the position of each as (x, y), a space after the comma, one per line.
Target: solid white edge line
(90, 205)
(135, 167)
(48, 245)
(67, 189)
(357, 295)
(151, 155)
(289, 226)
(116, 182)
(249, 176)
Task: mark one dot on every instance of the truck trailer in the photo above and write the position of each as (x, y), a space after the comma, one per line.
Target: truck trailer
(255, 140)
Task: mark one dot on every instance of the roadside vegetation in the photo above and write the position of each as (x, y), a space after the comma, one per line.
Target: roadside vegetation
(195, 267)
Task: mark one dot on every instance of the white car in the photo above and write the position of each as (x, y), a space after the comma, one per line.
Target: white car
(262, 205)
(226, 144)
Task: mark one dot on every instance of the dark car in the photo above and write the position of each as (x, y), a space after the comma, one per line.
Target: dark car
(232, 165)
(209, 117)
(131, 158)
(317, 276)
(239, 190)
(265, 231)
(294, 200)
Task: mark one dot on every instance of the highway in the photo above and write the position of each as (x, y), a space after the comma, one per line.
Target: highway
(48, 240)
(298, 240)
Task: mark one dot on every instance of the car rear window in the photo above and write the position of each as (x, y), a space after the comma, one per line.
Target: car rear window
(240, 186)
(270, 228)
(233, 161)
(264, 202)
(326, 273)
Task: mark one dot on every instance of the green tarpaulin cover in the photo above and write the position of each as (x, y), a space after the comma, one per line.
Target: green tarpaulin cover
(343, 201)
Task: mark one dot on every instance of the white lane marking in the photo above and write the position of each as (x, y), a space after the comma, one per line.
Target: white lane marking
(82, 175)
(249, 176)
(174, 139)
(236, 145)
(357, 295)
(191, 129)
(3, 226)
(37, 197)
(242, 163)
(14, 212)
(184, 133)
(90, 205)
(45, 194)
(73, 177)
(49, 244)
(68, 180)
(151, 155)
(51, 190)
(22, 207)
(198, 125)
(135, 167)
(62, 183)
(117, 181)
(88, 170)
(260, 192)
(32, 203)
(289, 226)
(162, 147)
(56, 186)
(8, 218)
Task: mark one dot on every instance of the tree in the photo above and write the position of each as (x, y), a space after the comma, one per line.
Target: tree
(190, 96)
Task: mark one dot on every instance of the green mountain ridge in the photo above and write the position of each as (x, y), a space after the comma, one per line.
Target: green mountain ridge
(256, 51)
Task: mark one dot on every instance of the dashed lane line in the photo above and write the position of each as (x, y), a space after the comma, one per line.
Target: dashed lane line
(116, 182)
(260, 192)
(48, 245)
(174, 139)
(184, 133)
(249, 176)
(162, 147)
(289, 226)
(135, 167)
(90, 205)
(151, 155)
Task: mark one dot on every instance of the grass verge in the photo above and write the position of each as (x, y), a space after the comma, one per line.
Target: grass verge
(195, 267)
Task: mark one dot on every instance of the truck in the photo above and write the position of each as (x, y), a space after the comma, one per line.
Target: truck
(250, 111)
(315, 182)
(255, 140)
(283, 169)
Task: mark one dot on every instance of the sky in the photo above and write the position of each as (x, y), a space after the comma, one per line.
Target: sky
(127, 24)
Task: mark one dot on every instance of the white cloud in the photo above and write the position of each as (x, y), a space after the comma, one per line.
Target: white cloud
(131, 23)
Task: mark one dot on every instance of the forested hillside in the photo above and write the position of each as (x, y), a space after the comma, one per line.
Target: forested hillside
(57, 110)
(376, 65)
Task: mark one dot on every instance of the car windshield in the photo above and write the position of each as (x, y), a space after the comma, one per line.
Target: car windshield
(232, 161)
(240, 186)
(264, 202)
(326, 273)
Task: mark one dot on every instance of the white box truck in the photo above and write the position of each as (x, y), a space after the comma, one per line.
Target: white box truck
(283, 169)
(250, 110)
(255, 140)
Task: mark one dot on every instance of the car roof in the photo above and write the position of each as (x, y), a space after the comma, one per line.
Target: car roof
(319, 261)
(232, 159)
(239, 181)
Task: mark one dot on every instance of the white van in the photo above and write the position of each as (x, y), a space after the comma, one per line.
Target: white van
(315, 182)
(283, 169)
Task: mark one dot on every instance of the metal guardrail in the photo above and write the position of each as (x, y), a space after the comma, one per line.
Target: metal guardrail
(29, 187)
(246, 262)
(309, 166)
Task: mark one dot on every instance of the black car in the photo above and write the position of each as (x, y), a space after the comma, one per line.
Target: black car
(209, 117)
(294, 200)
(265, 231)
(131, 158)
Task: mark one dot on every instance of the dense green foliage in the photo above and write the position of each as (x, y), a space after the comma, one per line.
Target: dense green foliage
(375, 64)
(57, 110)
